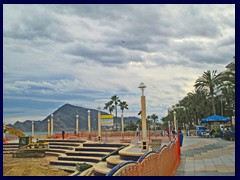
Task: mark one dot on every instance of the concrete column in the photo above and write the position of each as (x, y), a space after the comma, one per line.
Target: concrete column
(49, 127)
(51, 124)
(175, 121)
(122, 121)
(99, 126)
(233, 120)
(89, 122)
(33, 129)
(76, 124)
(144, 124)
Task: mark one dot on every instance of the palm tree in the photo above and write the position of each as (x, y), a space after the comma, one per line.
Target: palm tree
(154, 118)
(109, 106)
(123, 105)
(208, 81)
(115, 101)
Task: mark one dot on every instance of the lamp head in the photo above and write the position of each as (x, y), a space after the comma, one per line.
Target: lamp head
(142, 86)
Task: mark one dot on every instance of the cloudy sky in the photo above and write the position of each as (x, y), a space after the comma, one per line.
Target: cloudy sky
(84, 54)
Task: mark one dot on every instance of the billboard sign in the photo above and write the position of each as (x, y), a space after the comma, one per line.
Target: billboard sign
(107, 120)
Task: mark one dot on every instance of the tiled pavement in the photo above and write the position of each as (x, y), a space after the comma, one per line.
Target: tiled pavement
(206, 157)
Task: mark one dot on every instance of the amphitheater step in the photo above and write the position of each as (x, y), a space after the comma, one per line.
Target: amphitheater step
(87, 153)
(64, 143)
(81, 158)
(114, 160)
(68, 163)
(66, 140)
(57, 154)
(61, 147)
(56, 150)
(102, 145)
(10, 149)
(96, 149)
(101, 169)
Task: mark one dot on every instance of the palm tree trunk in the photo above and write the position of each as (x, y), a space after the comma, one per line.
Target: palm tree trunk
(213, 104)
(116, 117)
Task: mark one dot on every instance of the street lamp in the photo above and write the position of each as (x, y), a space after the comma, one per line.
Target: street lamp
(51, 124)
(142, 87)
(32, 129)
(49, 127)
(77, 124)
(144, 120)
(175, 121)
(89, 122)
(89, 125)
(99, 125)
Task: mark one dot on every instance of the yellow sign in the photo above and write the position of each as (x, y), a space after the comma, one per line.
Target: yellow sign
(107, 116)
(107, 120)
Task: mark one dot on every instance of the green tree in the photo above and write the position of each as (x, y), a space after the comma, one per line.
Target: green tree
(109, 106)
(154, 119)
(209, 81)
(123, 105)
(115, 101)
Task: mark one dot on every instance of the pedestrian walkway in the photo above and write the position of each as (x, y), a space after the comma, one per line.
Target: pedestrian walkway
(206, 157)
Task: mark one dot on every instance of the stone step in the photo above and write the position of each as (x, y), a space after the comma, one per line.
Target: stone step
(79, 158)
(87, 153)
(61, 147)
(101, 169)
(64, 144)
(8, 152)
(68, 163)
(10, 149)
(114, 160)
(56, 150)
(10, 144)
(57, 154)
(103, 145)
(66, 140)
(96, 149)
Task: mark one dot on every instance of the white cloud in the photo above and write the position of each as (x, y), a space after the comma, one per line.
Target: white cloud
(84, 54)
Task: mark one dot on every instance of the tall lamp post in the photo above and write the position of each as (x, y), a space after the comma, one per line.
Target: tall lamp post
(77, 124)
(122, 125)
(99, 125)
(144, 120)
(49, 128)
(51, 124)
(89, 125)
(175, 121)
(32, 129)
(89, 122)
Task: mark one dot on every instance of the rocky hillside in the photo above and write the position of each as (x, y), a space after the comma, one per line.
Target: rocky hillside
(65, 119)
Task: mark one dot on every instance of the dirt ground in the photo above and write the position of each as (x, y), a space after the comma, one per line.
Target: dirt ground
(30, 167)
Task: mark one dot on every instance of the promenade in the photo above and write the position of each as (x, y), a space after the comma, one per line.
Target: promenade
(206, 157)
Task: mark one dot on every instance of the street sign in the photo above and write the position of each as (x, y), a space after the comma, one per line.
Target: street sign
(107, 120)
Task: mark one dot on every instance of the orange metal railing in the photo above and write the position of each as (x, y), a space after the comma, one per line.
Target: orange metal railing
(163, 163)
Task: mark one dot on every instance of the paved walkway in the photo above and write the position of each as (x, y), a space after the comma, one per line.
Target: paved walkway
(207, 157)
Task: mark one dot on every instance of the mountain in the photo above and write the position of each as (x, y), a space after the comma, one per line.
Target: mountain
(64, 118)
